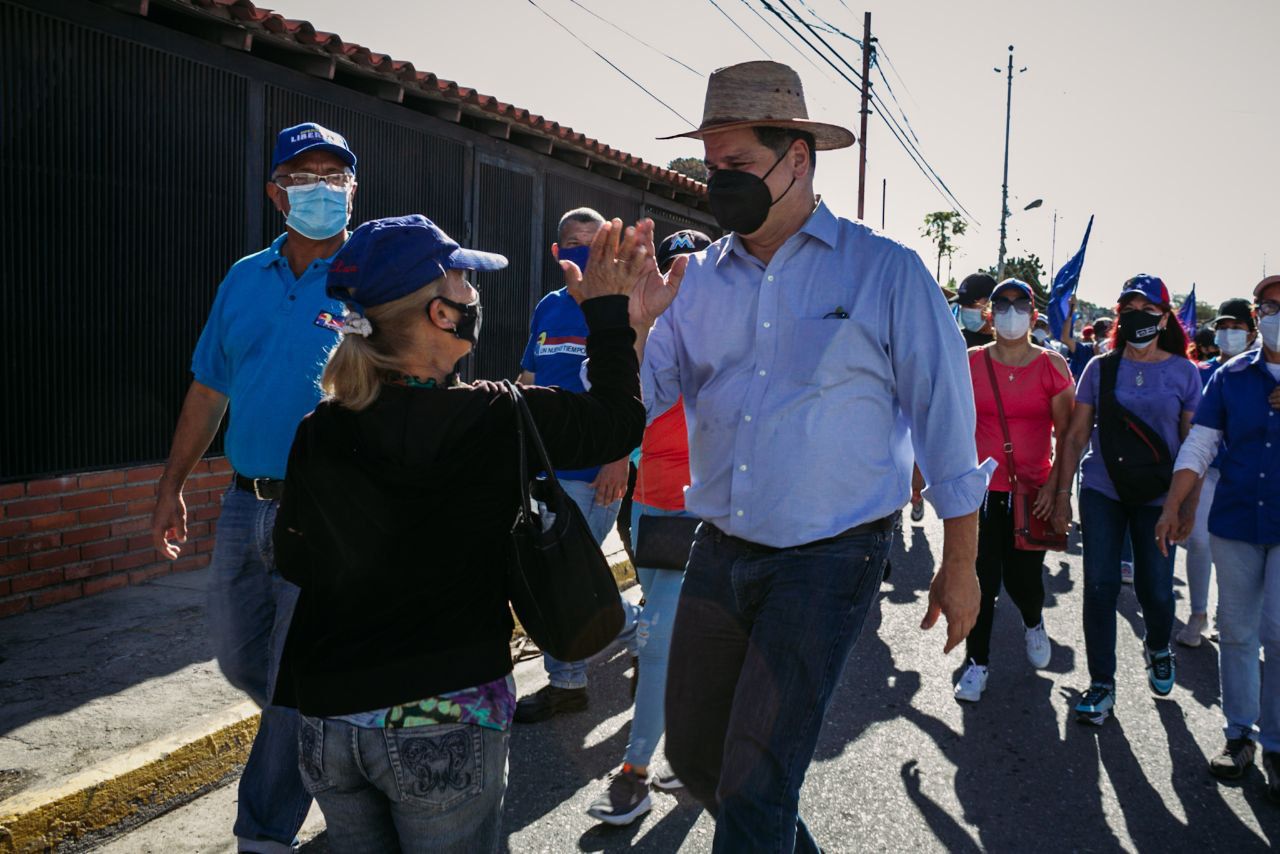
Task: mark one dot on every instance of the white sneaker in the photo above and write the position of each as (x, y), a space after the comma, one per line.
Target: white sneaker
(1038, 648)
(1126, 572)
(971, 685)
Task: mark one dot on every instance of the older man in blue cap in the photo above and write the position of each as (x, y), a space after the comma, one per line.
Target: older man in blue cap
(261, 352)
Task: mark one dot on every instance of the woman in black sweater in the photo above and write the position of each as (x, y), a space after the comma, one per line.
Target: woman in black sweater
(401, 491)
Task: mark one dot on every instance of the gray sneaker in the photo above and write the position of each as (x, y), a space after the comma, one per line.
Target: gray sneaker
(626, 799)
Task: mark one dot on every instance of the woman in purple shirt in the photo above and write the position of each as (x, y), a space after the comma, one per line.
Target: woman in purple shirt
(1159, 388)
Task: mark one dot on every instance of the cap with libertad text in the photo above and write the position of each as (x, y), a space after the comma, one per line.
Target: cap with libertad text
(310, 136)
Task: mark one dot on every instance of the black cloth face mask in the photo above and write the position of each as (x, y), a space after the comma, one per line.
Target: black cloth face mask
(468, 326)
(740, 201)
(1139, 328)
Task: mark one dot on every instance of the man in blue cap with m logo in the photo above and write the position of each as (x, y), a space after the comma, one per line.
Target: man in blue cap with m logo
(261, 352)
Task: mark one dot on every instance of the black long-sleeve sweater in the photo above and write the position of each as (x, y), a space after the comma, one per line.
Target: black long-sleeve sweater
(395, 524)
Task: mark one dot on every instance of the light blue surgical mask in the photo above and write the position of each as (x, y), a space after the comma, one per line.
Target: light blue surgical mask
(1231, 341)
(1269, 329)
(972, 319)
(318, 211)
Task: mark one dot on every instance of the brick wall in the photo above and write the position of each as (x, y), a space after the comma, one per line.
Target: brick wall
(78, 535)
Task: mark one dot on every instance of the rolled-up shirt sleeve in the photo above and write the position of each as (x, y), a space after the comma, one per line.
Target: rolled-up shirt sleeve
(935, 392)
(660, 373)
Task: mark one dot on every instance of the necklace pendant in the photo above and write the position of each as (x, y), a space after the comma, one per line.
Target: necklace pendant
(1011, 376)
(1138, 380)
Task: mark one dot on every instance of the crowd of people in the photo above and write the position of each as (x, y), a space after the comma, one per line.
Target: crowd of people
(358, 587)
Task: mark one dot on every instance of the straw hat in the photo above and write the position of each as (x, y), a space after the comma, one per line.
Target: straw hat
(762, 94)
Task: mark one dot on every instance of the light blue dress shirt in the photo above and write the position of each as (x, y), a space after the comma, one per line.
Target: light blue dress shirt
(264, 346)
(810, 384)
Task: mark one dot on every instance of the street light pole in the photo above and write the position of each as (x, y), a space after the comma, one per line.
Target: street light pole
(1004, 188)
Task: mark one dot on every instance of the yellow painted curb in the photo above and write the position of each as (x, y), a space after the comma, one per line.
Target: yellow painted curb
(127, 790)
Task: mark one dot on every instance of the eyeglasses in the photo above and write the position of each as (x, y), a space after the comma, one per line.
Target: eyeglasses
(1000, 305)
(1267, 307)
(338, 180)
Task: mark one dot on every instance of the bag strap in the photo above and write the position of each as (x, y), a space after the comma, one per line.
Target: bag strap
(527, 427)
(1004, 425)
(522, 470)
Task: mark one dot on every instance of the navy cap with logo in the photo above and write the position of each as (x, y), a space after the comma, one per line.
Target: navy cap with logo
(386, 259)
(683, 242)
(310, 136)
(1234, 309)
(1151, 287)
(975, 286)
(1017, 284)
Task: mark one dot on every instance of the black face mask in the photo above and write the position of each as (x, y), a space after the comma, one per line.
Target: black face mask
(468, 326)
(1139, 328)
(741, 201)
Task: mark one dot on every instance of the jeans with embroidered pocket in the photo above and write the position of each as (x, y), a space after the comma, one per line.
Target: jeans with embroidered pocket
(419, 789)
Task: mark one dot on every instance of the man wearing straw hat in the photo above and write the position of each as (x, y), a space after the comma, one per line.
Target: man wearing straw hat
(817, 359)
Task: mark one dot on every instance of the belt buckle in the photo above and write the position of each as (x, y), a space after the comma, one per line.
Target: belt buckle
(256, 493)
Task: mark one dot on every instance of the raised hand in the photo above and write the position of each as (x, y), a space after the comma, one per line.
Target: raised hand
(655, 292)
(617, 260)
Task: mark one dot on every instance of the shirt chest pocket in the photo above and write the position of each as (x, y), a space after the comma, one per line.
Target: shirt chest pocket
(821, 352)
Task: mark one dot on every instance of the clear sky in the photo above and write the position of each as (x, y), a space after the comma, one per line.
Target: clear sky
(1161, 118)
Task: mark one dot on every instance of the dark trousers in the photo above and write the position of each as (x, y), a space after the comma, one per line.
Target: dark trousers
(760, 640)
(1021, 572)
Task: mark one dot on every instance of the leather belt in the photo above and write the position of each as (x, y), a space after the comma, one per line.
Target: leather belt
(886, 523)
(263, 488)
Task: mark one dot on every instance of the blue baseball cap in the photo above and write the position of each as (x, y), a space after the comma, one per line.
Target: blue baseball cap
(310, 136)
(1015, 283)
(1151, 287)
(385, 259)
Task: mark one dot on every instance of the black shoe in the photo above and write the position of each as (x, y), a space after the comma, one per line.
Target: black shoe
(626, 799)
(1231, 763)
(1271, 762)
(635, 675)
(549, 702)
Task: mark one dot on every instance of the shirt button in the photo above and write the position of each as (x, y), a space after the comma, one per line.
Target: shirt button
(767, 324)
(742, 467)
(292, 297)
(740, 512)
(746, 418)
(771, 278)
(763, 372)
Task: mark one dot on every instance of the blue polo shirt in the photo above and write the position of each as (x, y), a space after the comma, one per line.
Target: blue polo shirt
(557, 347)
(1246, 505)
(264, 345)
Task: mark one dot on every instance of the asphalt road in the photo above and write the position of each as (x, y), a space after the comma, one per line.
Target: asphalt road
(902, 766)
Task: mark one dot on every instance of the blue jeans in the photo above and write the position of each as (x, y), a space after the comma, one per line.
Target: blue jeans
(653, 639)
(760, 641)
(249, 607)
(419, 789)
(1249, 618)
(1106, 522)
(1199, 554)
(573, 674)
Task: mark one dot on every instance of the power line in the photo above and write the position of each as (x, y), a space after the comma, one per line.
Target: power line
(880, 50)
(636, 39)
(898, 134)
(610, 63)
(785, 41)
(829, 27)
(901, 111)
(767, 5)
(739, 28)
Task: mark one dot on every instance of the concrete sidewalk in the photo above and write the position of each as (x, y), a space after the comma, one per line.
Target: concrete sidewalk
(114, 712)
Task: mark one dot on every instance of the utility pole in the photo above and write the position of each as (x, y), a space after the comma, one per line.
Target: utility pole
(1053, 245)
(867, 48)
(1004, 188)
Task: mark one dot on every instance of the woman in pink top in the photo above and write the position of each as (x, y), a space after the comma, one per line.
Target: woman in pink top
(1037, 393)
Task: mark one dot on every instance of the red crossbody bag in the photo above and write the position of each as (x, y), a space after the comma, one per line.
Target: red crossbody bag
(1030, 533)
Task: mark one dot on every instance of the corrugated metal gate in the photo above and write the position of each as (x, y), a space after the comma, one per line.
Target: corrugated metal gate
(136, 158)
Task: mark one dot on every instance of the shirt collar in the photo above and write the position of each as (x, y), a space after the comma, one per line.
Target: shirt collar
(821, 224)
(273, 255)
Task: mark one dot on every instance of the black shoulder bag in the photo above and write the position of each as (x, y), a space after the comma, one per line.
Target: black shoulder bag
(1137, 458)
(558, 579)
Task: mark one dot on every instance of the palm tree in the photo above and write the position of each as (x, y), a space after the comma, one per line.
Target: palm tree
(941, 227)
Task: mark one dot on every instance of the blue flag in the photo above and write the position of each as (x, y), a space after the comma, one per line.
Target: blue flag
(1187, 314)
(1064, 287)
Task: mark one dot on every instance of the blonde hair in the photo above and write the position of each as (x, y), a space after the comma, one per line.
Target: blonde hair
(358, 366)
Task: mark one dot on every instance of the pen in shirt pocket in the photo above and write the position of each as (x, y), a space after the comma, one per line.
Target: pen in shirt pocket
(838, 314)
